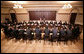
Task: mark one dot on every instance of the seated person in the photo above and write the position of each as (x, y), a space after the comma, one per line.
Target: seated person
(21, 32)
(24, 22)
(46, 22)
(6, 22)
(69, 26)
(73, 30)
(54, 31)
(51, 22)
(69, 32)
(77, 30)
(29, 22)
(55, 22)
(16, 33)
(6, 29)
(38, 32)
(60, 22)
(29, 33)
(10, 30)
(47, 32)
(2, 25)
(62, 33)
(41, 22)
(32, 22)
(65, 23)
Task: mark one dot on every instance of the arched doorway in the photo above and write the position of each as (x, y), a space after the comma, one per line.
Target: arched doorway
(73, 15)
(12, 14)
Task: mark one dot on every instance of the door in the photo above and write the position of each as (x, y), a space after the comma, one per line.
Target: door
(73, 18)
(13, 17)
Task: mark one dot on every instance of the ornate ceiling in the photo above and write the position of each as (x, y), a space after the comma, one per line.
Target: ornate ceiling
(27, 4)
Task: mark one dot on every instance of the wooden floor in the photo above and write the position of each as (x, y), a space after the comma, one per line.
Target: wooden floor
(10, 46)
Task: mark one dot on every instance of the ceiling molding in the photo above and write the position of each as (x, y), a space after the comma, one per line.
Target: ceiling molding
(25, 6)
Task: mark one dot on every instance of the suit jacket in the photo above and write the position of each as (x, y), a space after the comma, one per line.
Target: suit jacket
(62, 32)
(37, 31)
(28, 31)
(73, 31)
(22, 31)
(47, 32)
(16, 32)
(54, 32)
(77, 30)
(69, 32)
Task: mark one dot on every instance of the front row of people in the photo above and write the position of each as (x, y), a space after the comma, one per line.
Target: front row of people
(57, 33)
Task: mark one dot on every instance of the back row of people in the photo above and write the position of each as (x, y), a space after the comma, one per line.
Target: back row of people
(51, 22)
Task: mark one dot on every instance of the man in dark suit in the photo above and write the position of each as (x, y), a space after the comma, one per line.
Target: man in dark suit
(38, 33)
(6, 29)
(77, 31)
(29, 33)
(60, 22)
(54, 31)
(69, 33)
(55, 22)
(21, 32)
(65, 23)
(69, 26)
(24, 22)
(47, 32)
(62, 34)
(15, 32)
(51, 22)
(73, 30)
(10, 31)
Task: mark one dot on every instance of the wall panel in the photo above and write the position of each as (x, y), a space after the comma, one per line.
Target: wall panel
(48, 15)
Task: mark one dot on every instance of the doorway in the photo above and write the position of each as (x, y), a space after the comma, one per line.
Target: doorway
(73, 18)
(13, 17)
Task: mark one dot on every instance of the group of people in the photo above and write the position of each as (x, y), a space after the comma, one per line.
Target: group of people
(58, 31)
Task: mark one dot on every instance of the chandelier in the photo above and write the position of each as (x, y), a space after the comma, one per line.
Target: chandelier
(17, 5)
(67, 6)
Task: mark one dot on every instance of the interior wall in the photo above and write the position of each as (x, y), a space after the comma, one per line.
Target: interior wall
(79, 17)
(22, 14)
